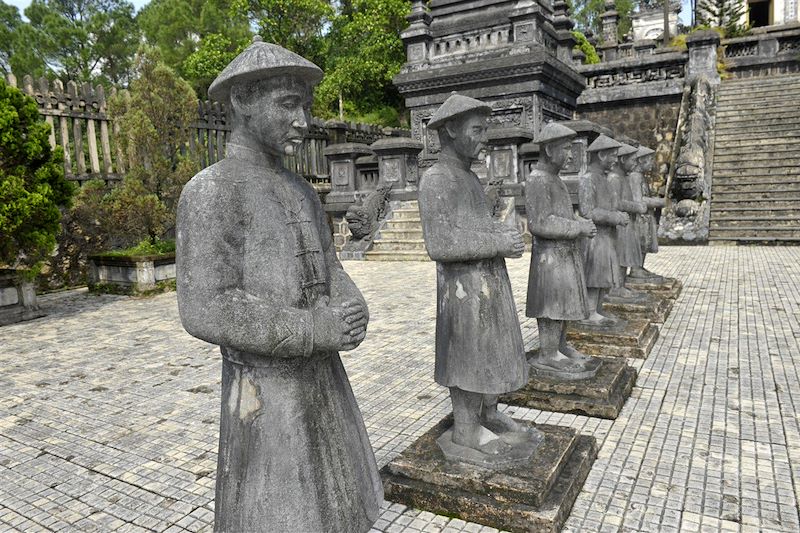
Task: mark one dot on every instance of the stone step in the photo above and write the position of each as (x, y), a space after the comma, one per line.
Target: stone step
(726, 180)
(763, 154)
(756, 100)
(401, 234)
(396, 255)
(785, 163)
(763, 92)
(755, 193)
(777, 240)
(756, 173)
(785, 202)
(768, 143)
(738, 232)
(778, 78)
(774, 120)
(404, 224)
(382, 245)
(736, 109)
(405, 214)
(770, 188)
(767, 221)
(758, 132)
(718, 213)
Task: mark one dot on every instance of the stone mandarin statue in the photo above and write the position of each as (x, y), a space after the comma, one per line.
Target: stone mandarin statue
(598, 203)
(628, 245)
(556, 284)
(647, 227)
(258, 275)
(479, 348)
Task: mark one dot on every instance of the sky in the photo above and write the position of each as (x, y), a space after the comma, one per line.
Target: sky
(685, 16)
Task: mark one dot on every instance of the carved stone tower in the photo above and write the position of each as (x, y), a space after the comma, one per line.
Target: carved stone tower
(515, 55)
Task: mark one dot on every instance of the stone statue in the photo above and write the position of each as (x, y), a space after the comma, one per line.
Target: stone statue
(647, 227)
(598, 203)
(628, 246)
(479, 348)
(363, 220)
(258, 275)
(556, 284)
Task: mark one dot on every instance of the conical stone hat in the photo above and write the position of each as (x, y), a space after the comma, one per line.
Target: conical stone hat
(626, 149)
(553, 131)
(644, 151)
(603, 142)
(454, 106)
(259, 61)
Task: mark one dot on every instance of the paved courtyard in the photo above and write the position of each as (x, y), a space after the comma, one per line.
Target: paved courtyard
(109, 411)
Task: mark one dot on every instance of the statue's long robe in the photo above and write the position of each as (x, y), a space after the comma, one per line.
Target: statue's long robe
(646, 227)
(556, 281)
(479, 344)
(596, 201)
(629, 248)
(254, 256)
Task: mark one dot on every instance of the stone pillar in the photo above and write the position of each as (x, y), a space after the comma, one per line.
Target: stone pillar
(398, 165)
(503, 145)
(563, 26)
(337, 132)
(342, 164)
(417, 37)
(610, 21)
(702, 47)
(644, 47)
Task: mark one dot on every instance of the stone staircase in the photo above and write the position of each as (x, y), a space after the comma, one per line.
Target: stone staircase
(756, 174)
(400, 238)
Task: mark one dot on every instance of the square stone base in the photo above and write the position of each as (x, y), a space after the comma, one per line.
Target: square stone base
(650, 307)
(536, 496)
(670, 288)
(631, 338)
(17, 313)
(602, 396)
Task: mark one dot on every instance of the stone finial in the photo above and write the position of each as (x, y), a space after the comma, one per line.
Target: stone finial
(419, 13)
(610, 21)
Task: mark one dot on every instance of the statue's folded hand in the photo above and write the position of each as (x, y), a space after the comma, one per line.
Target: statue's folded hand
(338, 327)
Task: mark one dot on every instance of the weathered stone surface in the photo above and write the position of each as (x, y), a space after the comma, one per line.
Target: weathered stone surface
(665, 287)
(651, 307)
(17, 299)
(628, 338)
(601, 396)
(537, 496)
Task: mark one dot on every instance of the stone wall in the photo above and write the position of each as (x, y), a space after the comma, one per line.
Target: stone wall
(652, 122)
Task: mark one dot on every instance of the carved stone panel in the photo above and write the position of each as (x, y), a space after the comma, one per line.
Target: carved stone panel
(391, 171)
(502, 164)
(342, 175)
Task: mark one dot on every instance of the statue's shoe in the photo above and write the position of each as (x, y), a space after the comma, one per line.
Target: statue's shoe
(571, 372)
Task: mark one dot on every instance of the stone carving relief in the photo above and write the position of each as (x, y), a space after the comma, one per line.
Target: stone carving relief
(635, 75)
(364, 219)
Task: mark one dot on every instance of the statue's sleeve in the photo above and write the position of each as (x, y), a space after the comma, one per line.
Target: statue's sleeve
(447, 237)
(587, 205)
(542, 219)
(617, 182)
(641, 192)
(209, 259)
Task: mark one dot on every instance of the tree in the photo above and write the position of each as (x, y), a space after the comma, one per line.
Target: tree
(16, 53)
(298, 25)
(84, 40)
(32, 184)
(213, 30)
(366, 53)
(724, 14)
(154, 118)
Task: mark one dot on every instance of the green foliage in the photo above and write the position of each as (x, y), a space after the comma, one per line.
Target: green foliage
(179, 29)
(145, 247)
(82, 40)
(586, 14)
(366, 53)
(725, 15)
(32, 184)
(298, 25)
(153, 119)
(586, 47)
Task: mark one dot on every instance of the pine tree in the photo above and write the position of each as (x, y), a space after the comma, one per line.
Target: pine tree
(724, 14)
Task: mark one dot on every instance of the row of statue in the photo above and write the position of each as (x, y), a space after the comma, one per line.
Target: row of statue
(258, 275)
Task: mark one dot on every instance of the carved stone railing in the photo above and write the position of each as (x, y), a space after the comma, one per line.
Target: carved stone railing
(642, 76)
(766, 51)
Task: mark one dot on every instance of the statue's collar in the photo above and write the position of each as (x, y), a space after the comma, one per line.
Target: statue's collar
(261, 159)
(454, 160)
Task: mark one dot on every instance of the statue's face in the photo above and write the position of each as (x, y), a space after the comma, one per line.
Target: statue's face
(628, 162)
(468, 134)
(560, 153)
(647, 162)
(274, 112)
(608, 158)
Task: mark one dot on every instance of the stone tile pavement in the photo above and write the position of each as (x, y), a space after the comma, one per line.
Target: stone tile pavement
(109, 411)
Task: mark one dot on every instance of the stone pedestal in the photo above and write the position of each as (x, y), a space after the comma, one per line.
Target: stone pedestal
(602, 396)
(647, 306)
(666, 288)
(628, 338)
(17, 298)
(535, 496)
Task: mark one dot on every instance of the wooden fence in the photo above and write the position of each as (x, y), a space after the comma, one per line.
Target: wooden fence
(81, 126)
